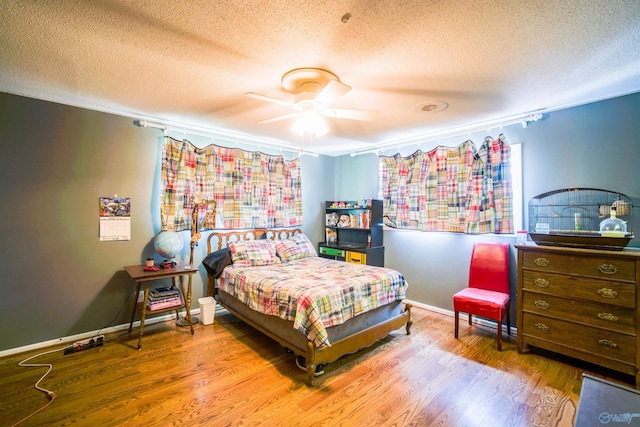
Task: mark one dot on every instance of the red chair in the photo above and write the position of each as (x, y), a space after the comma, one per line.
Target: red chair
(488, 292)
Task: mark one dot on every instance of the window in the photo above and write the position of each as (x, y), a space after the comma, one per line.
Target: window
(251, 189)
(457, 189)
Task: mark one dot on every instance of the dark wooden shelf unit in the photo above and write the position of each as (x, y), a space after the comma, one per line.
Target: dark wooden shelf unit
(361, 239)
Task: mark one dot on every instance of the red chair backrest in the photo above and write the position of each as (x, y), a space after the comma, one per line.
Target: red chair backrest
(489, 267)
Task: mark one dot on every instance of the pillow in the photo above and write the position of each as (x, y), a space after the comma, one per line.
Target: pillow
(216, 261)
(253, 253)
(295, 247)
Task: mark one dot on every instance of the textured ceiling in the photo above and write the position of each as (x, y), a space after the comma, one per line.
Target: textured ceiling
(190, 62)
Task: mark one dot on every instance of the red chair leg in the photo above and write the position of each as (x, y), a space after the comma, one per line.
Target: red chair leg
(508, 322)
(469, 319)
(456, 328)
(500, 335)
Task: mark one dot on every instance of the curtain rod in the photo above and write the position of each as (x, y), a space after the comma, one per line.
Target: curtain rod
(217, 135)
(452, 132)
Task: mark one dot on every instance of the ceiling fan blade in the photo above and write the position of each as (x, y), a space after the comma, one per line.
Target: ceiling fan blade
(332, 91)
(364, 115)
(269, 99)
(284, 117)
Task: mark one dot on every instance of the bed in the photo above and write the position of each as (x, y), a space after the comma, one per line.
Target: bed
(245, 278)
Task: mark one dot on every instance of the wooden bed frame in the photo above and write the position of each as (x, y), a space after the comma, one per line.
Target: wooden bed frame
(352, 340)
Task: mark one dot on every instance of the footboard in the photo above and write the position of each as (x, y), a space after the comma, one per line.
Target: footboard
(355, 342)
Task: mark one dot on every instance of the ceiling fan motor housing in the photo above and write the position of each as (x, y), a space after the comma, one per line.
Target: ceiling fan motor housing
(314, 90)
(307, 96)
(294, 81)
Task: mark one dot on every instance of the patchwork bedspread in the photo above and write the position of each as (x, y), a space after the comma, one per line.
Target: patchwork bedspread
(314, 292)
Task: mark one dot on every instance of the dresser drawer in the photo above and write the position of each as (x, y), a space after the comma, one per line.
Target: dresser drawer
(590, 313)
(601, 291)
(591, 266)
(595, 341)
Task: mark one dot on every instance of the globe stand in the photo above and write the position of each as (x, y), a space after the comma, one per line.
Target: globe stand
(182, 321)
(195, 236)
(174, 245)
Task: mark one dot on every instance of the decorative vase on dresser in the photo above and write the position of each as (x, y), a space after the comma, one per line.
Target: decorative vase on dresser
(583, 303)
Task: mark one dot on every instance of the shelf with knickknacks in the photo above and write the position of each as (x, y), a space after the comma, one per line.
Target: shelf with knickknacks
(353, 232)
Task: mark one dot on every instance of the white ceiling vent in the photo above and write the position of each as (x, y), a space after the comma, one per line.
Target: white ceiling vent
(430, 107)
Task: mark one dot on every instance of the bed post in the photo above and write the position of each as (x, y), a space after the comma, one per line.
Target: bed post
(211, 291)
(310, 361)
(407, 308)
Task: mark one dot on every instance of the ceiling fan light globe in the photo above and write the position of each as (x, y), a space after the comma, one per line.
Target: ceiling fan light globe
(310, 123)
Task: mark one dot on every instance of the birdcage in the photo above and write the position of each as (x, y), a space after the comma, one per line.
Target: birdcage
(572, 217)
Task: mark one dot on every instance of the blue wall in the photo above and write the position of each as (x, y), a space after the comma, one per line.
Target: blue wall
(58, 280)
(595, 145)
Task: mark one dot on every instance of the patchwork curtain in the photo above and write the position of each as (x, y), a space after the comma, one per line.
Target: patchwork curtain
(251, 189)
(454, 189)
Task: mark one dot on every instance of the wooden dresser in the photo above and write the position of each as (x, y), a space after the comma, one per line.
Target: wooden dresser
(582, 303)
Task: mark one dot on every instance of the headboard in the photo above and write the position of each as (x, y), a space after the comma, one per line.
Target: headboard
(218, 240)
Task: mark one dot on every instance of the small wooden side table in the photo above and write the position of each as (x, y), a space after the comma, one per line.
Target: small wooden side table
(140, 275)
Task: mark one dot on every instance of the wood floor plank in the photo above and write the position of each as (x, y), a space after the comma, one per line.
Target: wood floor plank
(228, 374)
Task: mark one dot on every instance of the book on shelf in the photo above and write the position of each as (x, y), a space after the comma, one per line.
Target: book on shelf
(360, 220)
(162, 297)
(163, 293)
(167, 303)
(166, 291)
(353, 220)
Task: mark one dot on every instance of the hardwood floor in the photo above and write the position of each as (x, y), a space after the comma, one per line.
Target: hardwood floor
(227, 374)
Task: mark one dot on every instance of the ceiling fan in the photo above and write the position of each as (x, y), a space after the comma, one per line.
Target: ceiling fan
(315, 90)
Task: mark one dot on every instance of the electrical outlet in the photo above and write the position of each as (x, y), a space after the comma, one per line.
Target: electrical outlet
(97, 341)
(140, 296)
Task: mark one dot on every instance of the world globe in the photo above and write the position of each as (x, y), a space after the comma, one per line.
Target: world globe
(168, 244)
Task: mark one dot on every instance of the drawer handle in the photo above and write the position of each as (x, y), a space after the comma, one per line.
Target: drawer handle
(543, 327)
(608, 269)
(543, 283)
(608, 316)
(543, 305)
(608, 343)
(607, 293)
(542, 262)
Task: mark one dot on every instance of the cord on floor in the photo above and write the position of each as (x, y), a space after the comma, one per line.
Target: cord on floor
(50, 393)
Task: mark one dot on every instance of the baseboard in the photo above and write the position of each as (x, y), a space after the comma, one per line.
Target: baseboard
(169, 316)
(430, 307)
(79, 337)
(478, 320)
